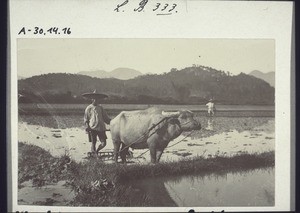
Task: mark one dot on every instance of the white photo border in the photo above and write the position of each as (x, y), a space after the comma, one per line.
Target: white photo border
(195, 19)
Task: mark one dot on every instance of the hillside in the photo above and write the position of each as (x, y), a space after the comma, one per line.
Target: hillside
(20, 77)
(268, 77)
(119, 73)
(191, 85)
(95, 74)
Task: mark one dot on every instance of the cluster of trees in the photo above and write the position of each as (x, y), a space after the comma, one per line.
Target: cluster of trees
(68, 98)
(191, 85)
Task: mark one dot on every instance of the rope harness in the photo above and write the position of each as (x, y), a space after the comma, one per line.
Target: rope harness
(169, 146)
(145, 134)
(153, 126)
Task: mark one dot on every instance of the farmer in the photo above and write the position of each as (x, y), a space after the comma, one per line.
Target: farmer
(94, 119)
(211, 107)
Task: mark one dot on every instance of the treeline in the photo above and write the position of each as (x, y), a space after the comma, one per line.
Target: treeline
(68, 98)
(191, 85)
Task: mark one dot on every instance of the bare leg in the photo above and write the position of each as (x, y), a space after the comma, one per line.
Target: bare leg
(116, 150)
(93, 148)
(94, 141)
(102, 145)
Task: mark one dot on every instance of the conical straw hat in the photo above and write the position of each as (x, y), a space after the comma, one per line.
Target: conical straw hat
(94, 95)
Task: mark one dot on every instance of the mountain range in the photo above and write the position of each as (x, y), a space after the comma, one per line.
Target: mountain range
(191, 85)
(119, 73)
(268, 77)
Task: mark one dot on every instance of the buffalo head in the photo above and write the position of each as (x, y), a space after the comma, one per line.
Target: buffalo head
(186, 120)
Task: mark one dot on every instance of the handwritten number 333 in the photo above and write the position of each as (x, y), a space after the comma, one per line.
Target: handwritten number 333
(164, 7)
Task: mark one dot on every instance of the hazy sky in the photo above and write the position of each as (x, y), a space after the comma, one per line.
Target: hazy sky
(40, 56)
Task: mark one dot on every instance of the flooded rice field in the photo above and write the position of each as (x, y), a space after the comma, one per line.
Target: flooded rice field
(218, 136)
(247, 188)
(49, 195)
(229, 133)
(67, 116)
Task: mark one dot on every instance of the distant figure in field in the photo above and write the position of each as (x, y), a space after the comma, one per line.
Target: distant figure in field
(211, 107)
(94, 118)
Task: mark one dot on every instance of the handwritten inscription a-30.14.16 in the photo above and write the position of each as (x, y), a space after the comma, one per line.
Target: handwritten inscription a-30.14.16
(41, 31)
(158, 7)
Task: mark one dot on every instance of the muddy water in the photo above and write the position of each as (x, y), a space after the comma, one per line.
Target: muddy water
(225, 137)
(50, 195)
(219, 136)
(250, 188)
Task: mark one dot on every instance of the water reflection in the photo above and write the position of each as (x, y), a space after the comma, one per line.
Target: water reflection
(56, 194)
(247, 188)
(154, 190)
(210, 126)
(218, 125)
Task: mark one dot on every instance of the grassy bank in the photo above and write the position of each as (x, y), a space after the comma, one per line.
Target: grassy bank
(99, 184)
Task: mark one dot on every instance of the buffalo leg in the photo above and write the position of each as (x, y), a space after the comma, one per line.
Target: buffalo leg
(158, 154)
(153, 153)
(116, 150)
(123, 152)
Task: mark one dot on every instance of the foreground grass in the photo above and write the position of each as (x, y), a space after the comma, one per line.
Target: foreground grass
(100, 184)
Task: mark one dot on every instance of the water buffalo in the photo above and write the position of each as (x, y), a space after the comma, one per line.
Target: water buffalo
(131, 129)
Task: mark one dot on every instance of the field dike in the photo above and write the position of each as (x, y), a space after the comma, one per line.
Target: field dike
(95, 183)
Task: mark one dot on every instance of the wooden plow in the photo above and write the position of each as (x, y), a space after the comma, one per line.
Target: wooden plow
(104, 155)
(107, 155)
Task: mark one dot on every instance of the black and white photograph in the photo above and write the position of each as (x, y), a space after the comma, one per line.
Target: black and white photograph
(181, 129)
(145, 122)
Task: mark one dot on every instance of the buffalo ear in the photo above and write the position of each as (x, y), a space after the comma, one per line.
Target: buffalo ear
(173, 121)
